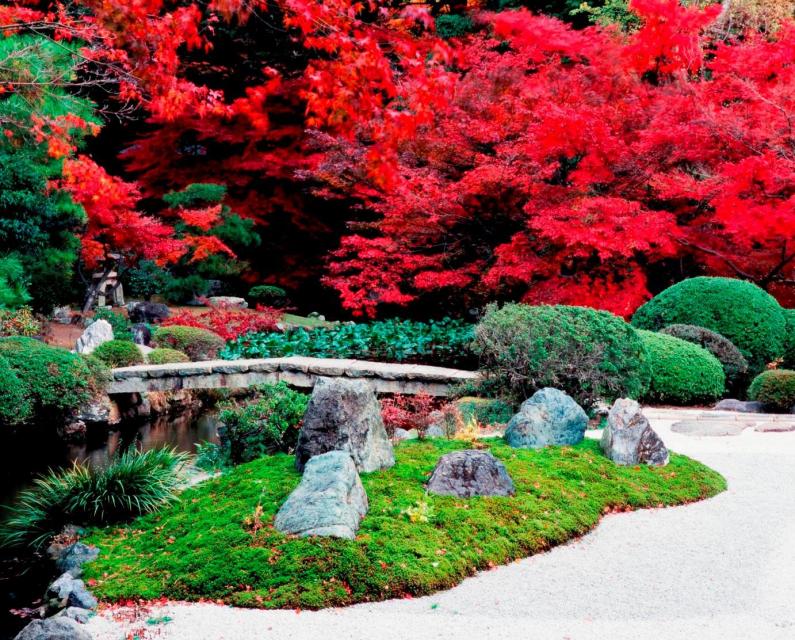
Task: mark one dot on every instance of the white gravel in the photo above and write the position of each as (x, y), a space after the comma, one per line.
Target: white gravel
(723, 568)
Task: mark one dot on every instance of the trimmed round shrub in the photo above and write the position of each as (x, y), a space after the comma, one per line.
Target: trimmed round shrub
(268, 295)
(589, 354)
(789, 339)
(682, 373)
(734, 364)
(740, 311)
(14, 404)
(166, 356)
(197, 344)
(119, 353)
(55, 380)
(775, 389)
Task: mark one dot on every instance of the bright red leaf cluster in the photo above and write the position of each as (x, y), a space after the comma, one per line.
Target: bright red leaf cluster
(228, 322)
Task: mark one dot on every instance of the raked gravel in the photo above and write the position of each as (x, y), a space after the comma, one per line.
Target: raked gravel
(722, 568)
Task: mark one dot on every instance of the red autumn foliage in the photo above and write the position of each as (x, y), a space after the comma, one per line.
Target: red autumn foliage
(228, 322)
(408, 412)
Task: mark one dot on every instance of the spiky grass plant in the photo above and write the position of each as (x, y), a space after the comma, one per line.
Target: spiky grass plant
(132, 484)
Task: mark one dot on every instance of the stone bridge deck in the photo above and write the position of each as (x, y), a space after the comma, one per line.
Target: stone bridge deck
(296, 371)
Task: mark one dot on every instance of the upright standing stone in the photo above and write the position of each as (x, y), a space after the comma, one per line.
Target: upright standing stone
(549, 417)
(97, 333)
(470, 473)
(329, 501)
(628, 438)
(344, 415)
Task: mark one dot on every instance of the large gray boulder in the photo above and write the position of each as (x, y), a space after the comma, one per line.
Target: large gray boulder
(68, 591)
(147, 312)
(470, 473)
(628, 438)
(743, 406)
(548, 417)
(329, 501)
(97, 333)
(71, 558)
(58, 628)
(344, 415)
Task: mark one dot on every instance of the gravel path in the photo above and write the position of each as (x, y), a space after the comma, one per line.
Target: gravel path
(723, 568)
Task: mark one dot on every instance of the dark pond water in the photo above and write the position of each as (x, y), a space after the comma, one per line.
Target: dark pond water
(26, 455)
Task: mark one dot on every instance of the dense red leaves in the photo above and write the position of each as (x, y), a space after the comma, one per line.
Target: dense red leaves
(228, 322)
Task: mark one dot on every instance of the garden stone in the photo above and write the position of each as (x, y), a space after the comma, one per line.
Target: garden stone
(67, 591)
(62, 315)
(97, 333)
(58, 628)
(329, 501)
(435, 431)
(344, 415)
(147, 312)
(98, 410)
(402, 434)
(470, 473)
(750, 406)
(73, 431)
(628, 438)
(549, 417)
(71, 558)
(229, 302)
(75, 613)
(141, 334)
(710, 428)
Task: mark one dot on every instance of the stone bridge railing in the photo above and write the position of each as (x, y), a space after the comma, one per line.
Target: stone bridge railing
(296, 371)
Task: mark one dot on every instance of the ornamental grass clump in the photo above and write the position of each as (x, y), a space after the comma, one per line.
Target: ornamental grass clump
(132, 484)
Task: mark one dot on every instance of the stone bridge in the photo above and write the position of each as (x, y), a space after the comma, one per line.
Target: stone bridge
(296, 371)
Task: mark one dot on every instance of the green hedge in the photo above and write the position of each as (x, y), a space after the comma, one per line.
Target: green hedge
(166, 356)
(119, 353)
(775, 389)
(55, 380)
(15, 405)
(589, 354)
(197, 344)
(740, 311)
(789, 340)
(440, 342)
(682, 373)
(734, 364)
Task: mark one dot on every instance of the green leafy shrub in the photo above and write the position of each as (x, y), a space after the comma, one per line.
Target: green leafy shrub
(442, 342)
(789, 340)
(734, 364)
(14, 403)
(453, 25)
(197, 344)
(589, 354)
(196, 194)
(13, 282)
(119, 353)
(485, 410)
(740, 311)
(186, 289)
(263, 427)
(146, 279)
(132, 484)
(55, 380)
(682, 373)
(775, 389)
(166, 356)
(268, 295)
(19, 322)
(120, 324)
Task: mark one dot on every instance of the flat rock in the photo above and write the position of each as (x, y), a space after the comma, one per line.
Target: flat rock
(228, 302)
(470, 473)
(147, 312)
(329, 501)
(95, 334)
(548, 417)
(628, 438)
(749, 406)
(57, 628)
(775, 426)
(710, 427)
(344, 415)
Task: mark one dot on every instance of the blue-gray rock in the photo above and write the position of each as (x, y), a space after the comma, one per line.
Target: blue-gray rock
(628, 438)
(70, 559)
(470, 473)
(548, 417)
(97, 333)
(76, 613)
(344, 415)
(749, 406)
(58, 628)
(329, 501)
(67, 591)
(141, 333)
(435, 431)
(147, 312)
(403, 434)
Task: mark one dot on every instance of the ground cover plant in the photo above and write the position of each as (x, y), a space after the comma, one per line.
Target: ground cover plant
(218, 541)
(439, 342)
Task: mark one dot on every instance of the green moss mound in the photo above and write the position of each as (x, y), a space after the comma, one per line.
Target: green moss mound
(14, 403)
(212, 545)
(589, 354)
(55, 380)
(198, 344)
(166, 356)
(119, 353)
(775, 388)
(682, 373)
(740, 311)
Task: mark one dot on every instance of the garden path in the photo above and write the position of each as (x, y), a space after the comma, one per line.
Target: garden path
(723, 569)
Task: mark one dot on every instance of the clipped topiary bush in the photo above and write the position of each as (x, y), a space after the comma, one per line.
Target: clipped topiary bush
(734, 364)
(682, 373)
(775, 389)
(197, 344)
(268, 295)
(14, 403)
(789, 340)
(55, 380)
(119, 353)
(740, 311)
(589, 354)
(166, 356)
